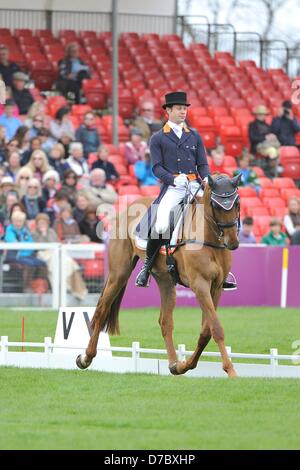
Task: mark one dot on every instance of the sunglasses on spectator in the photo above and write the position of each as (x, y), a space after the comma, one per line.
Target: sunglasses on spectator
(24, 177)
(147, 109)
(38, 120)
(37, 158)
(71, 176)
(35, 187)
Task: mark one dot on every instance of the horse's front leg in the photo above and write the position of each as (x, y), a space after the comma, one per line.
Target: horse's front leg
(208, 305)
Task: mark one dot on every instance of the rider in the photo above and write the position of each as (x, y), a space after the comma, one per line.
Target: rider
(178, 157)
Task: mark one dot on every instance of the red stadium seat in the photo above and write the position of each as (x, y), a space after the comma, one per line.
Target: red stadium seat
(259, 171)
(284, 183)
(269, 192)
(278, 211)
(249, 202)
(129, 189)
(266, 182)
(151, 191)
(274, 202)
(256, 211)
(288, 152)
(247, 191)
(292, 170)
(287, 193)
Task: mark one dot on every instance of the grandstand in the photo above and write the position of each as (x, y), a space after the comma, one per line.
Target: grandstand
(222, 91)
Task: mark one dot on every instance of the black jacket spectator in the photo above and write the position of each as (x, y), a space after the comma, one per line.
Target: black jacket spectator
(7, 68)
(20, 94)
(285, 128)
(88, 226)
(109, 168)
(257, 133)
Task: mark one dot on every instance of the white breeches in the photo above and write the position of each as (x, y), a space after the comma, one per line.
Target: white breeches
(170, 200)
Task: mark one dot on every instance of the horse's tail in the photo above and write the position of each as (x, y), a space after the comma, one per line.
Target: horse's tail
(112, 320)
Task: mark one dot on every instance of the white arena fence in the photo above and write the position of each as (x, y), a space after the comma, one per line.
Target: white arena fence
(23, 286)
(56, 356)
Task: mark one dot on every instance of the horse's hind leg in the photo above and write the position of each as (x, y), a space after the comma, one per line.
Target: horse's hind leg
(119, 274)
(208, 304)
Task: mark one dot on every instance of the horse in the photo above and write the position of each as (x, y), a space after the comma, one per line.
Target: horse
(202, 268)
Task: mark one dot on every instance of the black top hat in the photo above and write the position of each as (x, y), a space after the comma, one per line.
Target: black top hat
(178, 97)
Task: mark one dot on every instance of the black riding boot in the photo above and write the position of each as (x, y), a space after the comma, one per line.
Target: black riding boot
(152, 249)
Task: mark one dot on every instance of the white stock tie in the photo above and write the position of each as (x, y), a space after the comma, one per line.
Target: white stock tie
(178, 131)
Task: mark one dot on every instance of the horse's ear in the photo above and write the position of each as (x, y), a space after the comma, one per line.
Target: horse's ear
(236, 180)
(211, 182)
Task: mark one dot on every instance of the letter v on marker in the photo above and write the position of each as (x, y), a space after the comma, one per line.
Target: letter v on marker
(67, 328)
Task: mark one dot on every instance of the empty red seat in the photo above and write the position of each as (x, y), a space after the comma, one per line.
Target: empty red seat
(152, 191)
(257, 211)
(230, 161)
(287, 193)
(266, 182)
(274, 202)
(249, 202)
(269, 192)
(259, 171)
(278, 211)
(283, 182)
(292, 170)
(247, 191)
(288, 152)
(129, 189)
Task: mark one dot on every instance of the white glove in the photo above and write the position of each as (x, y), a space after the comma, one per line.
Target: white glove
(181, 181)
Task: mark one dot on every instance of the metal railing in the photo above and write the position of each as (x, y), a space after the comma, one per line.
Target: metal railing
(56, 275)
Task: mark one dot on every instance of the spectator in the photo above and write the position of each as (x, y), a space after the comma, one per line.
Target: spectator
(35, 144)
(135, 149)
(56, 159)
(3, 93)
(146, 121)
(50, 182)
(285, 126)
(261, 138)
(47, 141)
(249, 177)
(291, 221)
(38, 108)
(275, 237)
(2, 144)
(22, 97)
(45, 234)
(102, 163)
(71, 71)
(88, 134)
(76, 160)
(66, 227)
(17, 232)
(22, 180)
(13, 165)
(38, 122)
(70, 180)
(32, 200)
(11, 201)
(88, 226)
(7, 68)
(98, 191)
(61, 127)
(217, 164)
(7, 185)
(8, 120)
(246, 232)
(81, 204)
(60, 200)
(38, 164)
(22, 138)
(143, 171)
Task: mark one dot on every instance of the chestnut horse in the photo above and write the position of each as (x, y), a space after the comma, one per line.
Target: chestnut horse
(203, 269)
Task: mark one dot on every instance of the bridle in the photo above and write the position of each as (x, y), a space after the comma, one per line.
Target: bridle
(227, 202)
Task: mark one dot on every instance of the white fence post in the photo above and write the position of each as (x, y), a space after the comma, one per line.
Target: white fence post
(4, 349)
(181, 352)
(63, 277)
(274, 353)
(48, 348)
(56, 278)
(135, 354)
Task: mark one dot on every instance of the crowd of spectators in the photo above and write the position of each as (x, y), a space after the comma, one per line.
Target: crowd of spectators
(49, 189)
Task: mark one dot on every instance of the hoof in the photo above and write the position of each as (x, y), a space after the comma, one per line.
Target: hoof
(81, 363)
(232, 374)
(173, 368)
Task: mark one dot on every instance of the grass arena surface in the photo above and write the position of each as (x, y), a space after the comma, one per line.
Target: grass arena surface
(56, 409)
